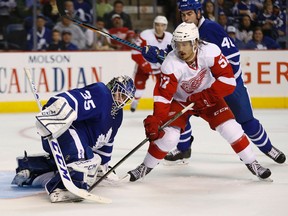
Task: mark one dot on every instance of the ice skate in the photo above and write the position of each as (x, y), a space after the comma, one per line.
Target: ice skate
(139, 173)
(256, 169)
(177, 157)
(276, 155)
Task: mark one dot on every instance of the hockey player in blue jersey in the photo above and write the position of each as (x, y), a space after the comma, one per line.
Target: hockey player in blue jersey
(238, 101)
(94, 115)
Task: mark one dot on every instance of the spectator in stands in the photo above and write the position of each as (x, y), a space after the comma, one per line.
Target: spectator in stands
(281, 29)
(69, 7)
(222, 20)
(6, 6)
(66, 42)
(49, 9)
(119, 31)
(248, 8)
(97, 41)
(245, 30)
(102, 7)
(117, 10)
(209, 10)
(225, 6)
(23, 9)
(43, 35)
(78, 37)
(231, 30)
(83, 11)
(268, 21)
(261, 42)
(56, 38)
(28, 21)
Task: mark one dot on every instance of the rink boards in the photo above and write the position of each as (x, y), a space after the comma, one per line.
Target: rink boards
(264, 72)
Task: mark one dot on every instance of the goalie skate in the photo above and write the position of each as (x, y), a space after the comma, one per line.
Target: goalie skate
(176, 157)
(62, 195)
(110, 180)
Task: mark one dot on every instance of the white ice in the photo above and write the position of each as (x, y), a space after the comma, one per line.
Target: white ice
(214, 183)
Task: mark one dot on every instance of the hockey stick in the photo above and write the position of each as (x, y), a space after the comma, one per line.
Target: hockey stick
(63, 13)
(59, 159)
(141, 144)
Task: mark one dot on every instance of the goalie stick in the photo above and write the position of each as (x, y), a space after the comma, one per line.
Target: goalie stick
(190, 106)
(59, 159)
(63, 13)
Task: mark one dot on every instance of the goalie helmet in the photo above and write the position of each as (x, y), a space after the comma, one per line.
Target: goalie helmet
(122, 90)
(184, 5)
(185, 32)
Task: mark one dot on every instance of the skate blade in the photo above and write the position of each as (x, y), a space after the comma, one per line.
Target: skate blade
(125, 179)
(175, 163)
(265, 180)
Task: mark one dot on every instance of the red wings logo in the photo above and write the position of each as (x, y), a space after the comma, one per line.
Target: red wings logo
(191, 85)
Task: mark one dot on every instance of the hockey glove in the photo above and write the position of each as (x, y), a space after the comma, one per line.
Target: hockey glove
(55, 119)
(152, 125)
(153, 54)
(202, 100)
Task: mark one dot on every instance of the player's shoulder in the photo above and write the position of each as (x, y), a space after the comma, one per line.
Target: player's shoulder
(212, 29)
(98, 89)
(171, 63)
(211, 24)
(168, 34)
(207, 49)
(146, 33)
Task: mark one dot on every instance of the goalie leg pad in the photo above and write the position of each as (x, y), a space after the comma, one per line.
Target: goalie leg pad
(34, 170)
(55, 119)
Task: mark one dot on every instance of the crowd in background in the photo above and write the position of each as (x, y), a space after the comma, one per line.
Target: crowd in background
(256, 24)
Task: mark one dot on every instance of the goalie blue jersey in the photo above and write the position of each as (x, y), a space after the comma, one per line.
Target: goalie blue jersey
(214, 33)
(95, 126)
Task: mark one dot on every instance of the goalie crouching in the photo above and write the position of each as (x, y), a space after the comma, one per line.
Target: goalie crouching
(84, 121)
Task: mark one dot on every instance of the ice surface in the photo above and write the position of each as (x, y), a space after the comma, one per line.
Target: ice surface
(215, 182)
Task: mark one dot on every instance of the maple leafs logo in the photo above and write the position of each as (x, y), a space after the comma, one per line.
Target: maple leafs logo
(191, 85)
(103, 139)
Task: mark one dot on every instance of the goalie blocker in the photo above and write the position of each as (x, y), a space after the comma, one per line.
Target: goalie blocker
(55, 119)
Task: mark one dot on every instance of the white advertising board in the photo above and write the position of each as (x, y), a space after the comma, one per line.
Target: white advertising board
(265, 72)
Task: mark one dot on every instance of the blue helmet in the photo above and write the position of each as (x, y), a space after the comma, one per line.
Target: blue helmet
(122, 90)
(184, 5)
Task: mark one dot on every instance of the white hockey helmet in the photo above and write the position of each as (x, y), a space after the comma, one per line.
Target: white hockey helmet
(185, 32)
(161, 19)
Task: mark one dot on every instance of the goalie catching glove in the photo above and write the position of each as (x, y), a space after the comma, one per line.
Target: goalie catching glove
(152, 125)
(202, 100)
(55, 119)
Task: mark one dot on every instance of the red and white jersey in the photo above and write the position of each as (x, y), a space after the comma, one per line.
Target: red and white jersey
(180, 80)
(147, 37)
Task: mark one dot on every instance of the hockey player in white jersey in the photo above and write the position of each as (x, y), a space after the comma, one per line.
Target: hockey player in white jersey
(239, 101)
(157, 36)
(194, 72)
(89, 120)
